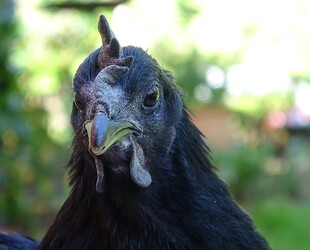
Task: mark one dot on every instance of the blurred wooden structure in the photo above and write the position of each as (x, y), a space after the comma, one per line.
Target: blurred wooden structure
(214, 123)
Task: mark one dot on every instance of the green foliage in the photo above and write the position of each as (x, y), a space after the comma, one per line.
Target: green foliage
(29, 158)
(259, 106)
(188, 67)
(187, 11)
(242, 168)
(256, 164)
(285, 224)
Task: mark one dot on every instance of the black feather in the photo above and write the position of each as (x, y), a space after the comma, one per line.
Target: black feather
(16, 241)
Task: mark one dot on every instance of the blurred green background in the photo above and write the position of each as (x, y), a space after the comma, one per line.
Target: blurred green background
(243, 65)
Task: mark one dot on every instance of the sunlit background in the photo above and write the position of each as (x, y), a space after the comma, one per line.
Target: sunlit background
(244, 67)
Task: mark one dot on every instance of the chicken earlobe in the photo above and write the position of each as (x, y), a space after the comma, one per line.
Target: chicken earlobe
(100, 175)
(138, 173)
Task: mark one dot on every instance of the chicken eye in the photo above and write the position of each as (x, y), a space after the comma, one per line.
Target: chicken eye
(152, 97)
(78, 103)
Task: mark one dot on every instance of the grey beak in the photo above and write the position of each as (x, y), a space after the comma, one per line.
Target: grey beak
(104, 133)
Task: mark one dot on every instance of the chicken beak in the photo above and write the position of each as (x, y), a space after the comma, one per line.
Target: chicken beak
(104, 133)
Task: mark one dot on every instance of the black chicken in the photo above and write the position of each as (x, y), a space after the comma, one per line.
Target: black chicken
(141, 176)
